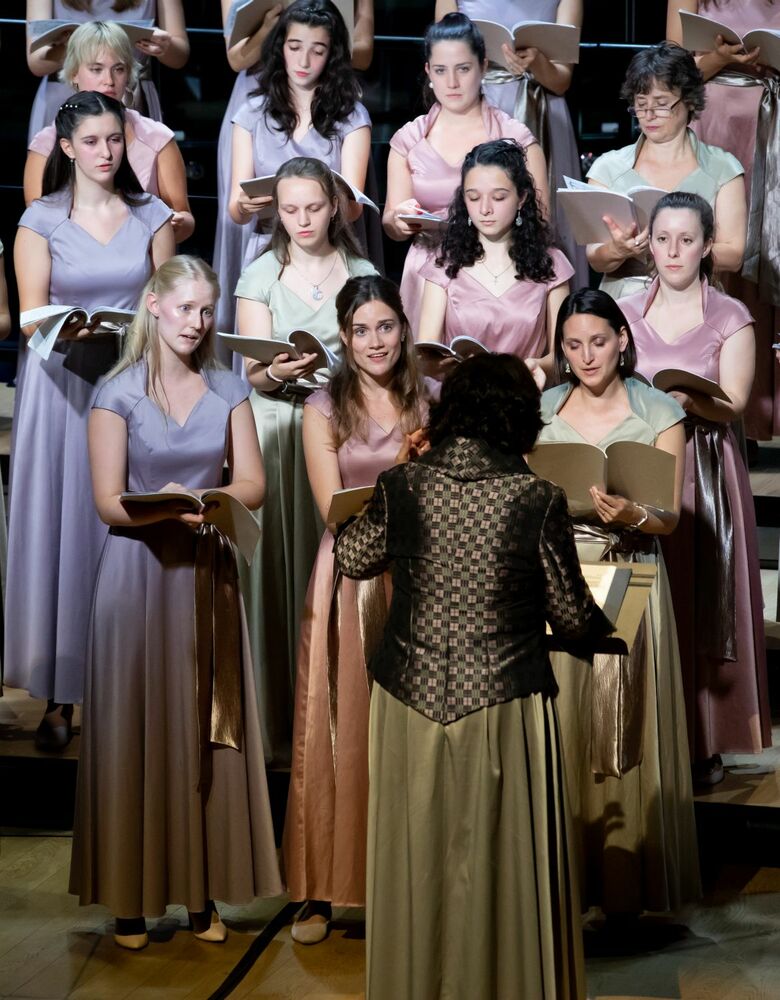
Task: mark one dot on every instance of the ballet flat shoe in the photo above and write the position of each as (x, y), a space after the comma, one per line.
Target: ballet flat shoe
(311, 930)
(217, 932)
(133, 942)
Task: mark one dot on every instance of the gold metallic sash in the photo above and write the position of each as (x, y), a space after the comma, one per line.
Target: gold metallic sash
(762, 253)
(217, 646)
(618, 683)
(372, 614)
(714, 544)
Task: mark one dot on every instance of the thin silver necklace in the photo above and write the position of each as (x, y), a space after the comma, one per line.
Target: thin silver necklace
(494, 276)
(316, 291)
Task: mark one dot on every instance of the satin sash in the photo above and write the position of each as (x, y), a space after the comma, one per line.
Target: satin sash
(618, 683)
(531, 108)
(372, 614)
(762, 253)
(217, 646)
(714, 544)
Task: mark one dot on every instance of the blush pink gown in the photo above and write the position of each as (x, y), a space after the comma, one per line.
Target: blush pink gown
(324, 845)
(512, 323)
(729, 121)
(434, 181)
(726, 695)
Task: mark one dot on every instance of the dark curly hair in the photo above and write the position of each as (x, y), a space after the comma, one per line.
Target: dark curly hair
(671, 65)
(695, 203)
(337, 90)
(348, 404)
(454, 27)
(530, 243)
(492, 397)
(591, 302)
(58, 172)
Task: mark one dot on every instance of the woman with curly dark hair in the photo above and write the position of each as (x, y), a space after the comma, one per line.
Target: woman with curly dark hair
(497, 276)
(306, 104)
(665, 92)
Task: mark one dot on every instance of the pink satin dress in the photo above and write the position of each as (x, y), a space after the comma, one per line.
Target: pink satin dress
(726, 694)
(434, 181)
(729, 120)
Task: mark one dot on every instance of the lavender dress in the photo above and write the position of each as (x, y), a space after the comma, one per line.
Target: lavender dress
(55, 533)
(145, 834)
(513, 323)
(325, 828)
(230, 240)
(559, 143)
(51, 93)
(725, 690)
(434, 181)
(272, 149)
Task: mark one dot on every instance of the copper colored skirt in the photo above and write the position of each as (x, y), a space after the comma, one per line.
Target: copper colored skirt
(471, 891)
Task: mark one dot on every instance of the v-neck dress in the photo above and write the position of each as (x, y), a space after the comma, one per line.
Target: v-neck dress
(275, 585)
(636, 833)
(514, 322)
(55, 534)
(51, 92)
(434, 182)
(324, 846)
(617, 171)
(559, 143)
(726, 695)
(146, 836)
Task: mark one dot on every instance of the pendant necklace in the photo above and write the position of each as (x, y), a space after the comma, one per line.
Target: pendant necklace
(494, 276)
(316, 292)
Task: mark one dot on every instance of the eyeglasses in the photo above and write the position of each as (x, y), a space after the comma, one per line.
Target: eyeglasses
(659, 110)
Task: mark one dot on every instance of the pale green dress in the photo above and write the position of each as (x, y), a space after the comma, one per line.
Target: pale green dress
(635, 834)
(274, 586)
(616, 170)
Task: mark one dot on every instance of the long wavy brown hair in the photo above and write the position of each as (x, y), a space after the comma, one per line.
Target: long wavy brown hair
(349, 417)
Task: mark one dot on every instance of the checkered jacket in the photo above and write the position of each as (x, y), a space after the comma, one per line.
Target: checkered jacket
(482, 554)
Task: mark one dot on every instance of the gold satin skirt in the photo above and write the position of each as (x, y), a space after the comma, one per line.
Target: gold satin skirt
(471, 891)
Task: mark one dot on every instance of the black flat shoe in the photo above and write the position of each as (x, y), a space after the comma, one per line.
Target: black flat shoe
(131, 933)
(56, 729)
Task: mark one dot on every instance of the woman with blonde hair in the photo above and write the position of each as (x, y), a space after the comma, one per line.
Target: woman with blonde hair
(99, 57)
(172, 801)
(352, 431)
(169, 44)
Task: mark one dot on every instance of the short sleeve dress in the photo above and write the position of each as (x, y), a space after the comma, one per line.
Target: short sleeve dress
(713, 554)
(158, 821)
(512, 323)
(150, 137)
(636, 830)
(275, 585)
(54, 530)
(324, 844)
(616, 171)
(51, 93)
(557, 139)
(434, 181)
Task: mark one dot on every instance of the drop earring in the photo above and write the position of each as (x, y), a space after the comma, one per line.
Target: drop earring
(622, 360)
(518, 218)
(469, 223)
(567, 368)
